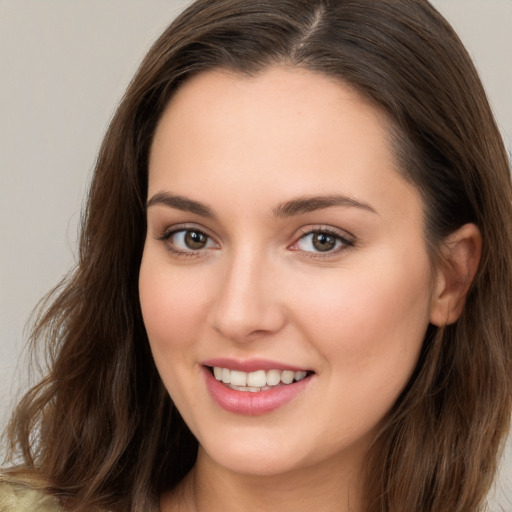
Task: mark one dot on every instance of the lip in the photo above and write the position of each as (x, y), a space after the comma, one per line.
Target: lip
(251, 365)
(252, 403)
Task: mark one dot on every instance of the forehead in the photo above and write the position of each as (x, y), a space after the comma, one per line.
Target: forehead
(284, 130)
(274, 95)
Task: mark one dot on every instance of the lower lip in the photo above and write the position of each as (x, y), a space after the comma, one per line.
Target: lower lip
(252, 403)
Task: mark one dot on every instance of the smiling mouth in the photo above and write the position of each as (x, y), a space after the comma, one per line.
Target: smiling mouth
(260, 380)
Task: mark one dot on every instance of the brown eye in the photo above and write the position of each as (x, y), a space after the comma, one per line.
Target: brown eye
(323, 242)
(188, 241)
(195, 240)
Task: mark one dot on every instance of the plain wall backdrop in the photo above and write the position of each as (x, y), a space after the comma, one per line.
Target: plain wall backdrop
(63, 67)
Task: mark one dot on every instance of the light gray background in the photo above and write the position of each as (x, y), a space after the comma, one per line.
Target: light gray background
(63, 67)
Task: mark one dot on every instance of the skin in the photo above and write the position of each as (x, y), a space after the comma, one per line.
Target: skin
(356, 315)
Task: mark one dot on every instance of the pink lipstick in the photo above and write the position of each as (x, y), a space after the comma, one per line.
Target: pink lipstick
(253, 387)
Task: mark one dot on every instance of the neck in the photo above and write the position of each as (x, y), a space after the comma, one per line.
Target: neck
(329, 487)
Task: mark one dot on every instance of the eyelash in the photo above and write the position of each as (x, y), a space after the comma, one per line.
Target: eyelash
(346, 243)
(167, 235)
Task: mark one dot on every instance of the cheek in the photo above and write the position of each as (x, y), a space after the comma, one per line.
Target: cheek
(369, 328)
(172, 307)
(370, 320)
(172, 304)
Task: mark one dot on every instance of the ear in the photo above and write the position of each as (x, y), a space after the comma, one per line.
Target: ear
(460, 256)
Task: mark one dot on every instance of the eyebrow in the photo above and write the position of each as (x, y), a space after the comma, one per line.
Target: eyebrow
(294, 207)
(181, 203)
(308, 204)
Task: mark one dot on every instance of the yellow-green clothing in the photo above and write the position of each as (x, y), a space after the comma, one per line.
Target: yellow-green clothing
(20, 498)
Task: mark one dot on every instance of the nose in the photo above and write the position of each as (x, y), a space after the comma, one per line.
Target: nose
(248, 305)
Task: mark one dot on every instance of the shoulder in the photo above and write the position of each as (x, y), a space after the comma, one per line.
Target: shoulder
(22, 498)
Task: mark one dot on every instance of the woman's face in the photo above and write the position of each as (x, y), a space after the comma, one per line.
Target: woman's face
(285, 256)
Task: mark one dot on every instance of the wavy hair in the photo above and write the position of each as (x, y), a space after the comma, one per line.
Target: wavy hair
(100, 430)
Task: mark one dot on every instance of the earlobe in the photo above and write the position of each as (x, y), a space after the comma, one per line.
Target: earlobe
(460, 256)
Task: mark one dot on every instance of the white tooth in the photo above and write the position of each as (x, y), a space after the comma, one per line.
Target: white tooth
(273, 377)
(244, 388)
(287, 377)
(257, 379)
(217, 372)
(226, 375)
(300, 375)
(238, 378)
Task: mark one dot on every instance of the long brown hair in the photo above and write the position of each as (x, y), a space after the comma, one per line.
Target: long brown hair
(101, 431)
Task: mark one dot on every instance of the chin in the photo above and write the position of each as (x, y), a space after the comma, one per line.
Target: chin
(263, 457)
(262, 465)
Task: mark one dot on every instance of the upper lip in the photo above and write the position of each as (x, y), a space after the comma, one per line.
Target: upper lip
(252, 365)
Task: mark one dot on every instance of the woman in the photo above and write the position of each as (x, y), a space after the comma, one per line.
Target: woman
(294, 282)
